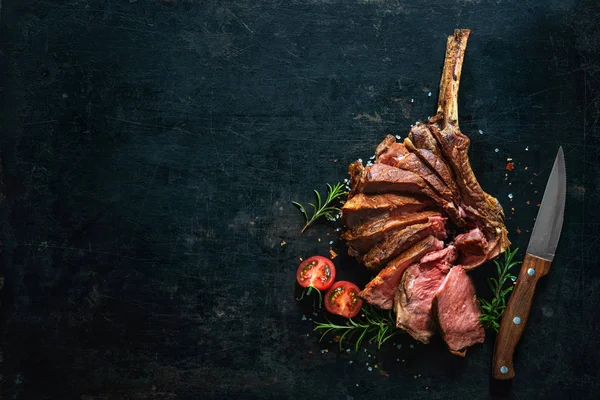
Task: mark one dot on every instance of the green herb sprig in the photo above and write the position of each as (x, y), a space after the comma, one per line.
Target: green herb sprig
(378, 326)
(492, 311)
(323, 209)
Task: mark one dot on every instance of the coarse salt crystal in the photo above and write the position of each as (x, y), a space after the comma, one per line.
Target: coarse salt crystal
(412, 347)
(370, 369)
(412, 100)
(527, 148)
(497, 150)
(373, 156)
(480, 132)
(360, 160)
(398, 136)
(510, 195)
(331, 242)
(429, 94)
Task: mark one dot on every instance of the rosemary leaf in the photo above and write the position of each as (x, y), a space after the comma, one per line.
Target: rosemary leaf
(492, 311)
(323, 209)
(380, 324)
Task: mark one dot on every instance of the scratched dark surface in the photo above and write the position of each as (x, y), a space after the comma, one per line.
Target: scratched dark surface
(151, 151)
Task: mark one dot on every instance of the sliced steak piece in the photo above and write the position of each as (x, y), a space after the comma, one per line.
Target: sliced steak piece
(388, 150)
(472, 243)
(414, 298)
(367, 235)
(361, 208)
(420, 136)
(434, 160)
(381, 290)
(470, 261)
(411, 162)
(382, 178)
(458, 313)
(398, 241)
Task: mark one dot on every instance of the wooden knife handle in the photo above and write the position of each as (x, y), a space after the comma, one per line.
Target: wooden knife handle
(516, 314)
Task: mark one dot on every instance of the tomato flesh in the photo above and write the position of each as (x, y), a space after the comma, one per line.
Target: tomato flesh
(316, 271)
(342, 299)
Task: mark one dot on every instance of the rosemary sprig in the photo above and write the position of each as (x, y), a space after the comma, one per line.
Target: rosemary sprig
(492, 311)
(379, 326)
(323, 209)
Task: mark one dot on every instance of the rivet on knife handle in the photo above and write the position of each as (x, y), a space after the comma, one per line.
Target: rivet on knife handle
(516, 314)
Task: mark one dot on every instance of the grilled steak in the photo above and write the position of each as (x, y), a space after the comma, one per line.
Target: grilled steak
(381, 178)
(458, 313)
(388, 150)
(415, 294)
(381, 290)
(367, 235)
(397, 212)
(400, 240)
(361, 208)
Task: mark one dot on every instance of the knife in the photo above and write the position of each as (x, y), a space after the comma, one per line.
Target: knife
(537, 261)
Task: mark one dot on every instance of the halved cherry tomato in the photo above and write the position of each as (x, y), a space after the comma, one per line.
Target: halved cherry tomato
(317, 272)
(342, 299)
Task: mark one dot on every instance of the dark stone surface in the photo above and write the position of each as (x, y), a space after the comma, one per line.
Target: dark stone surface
(151, 151)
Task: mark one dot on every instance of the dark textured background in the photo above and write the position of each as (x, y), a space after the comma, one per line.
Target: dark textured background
(151, 150)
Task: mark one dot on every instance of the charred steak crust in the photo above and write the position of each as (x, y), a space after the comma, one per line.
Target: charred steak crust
(395, 219)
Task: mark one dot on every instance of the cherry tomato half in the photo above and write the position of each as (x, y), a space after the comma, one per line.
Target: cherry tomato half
(317, 272)
(342, 299)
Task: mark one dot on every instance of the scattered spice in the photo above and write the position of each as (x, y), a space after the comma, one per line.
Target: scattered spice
(534, 174)
(518, 231)
(332, 254)
(319, 239)
(539, 204)
(335, 160)
(510, 166)
(528, 202)
(383, 373)
(526, 168)
(283, 243)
